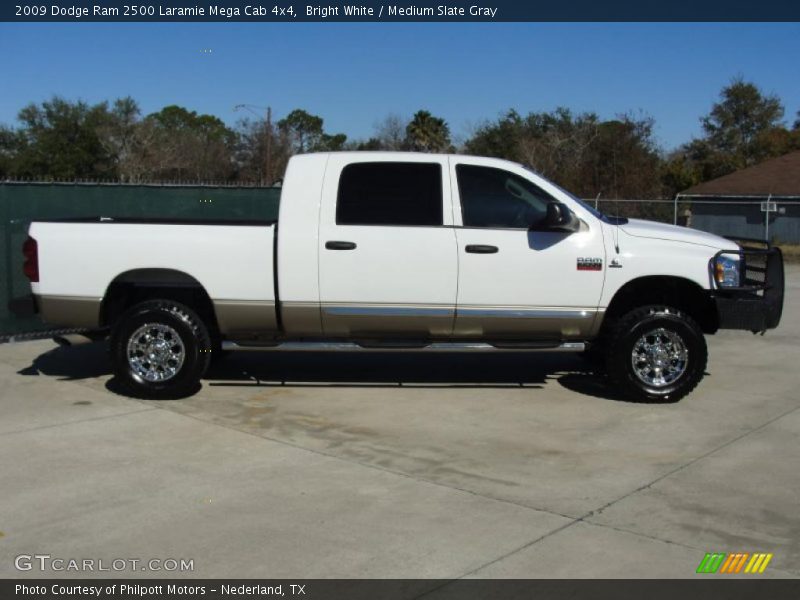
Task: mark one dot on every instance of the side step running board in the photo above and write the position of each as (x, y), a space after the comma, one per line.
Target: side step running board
(433, 347)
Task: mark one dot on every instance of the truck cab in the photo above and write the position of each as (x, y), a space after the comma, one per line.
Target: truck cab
(435, 247)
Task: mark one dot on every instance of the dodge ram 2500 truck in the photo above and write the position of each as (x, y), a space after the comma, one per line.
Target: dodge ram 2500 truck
(403, 251)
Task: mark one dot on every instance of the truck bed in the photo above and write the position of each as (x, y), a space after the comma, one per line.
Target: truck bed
(233, 261)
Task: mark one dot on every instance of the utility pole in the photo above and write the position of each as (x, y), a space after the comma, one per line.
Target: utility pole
(268, 132)
(267, 136)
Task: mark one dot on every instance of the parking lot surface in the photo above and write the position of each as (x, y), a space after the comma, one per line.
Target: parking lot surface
(402, 465)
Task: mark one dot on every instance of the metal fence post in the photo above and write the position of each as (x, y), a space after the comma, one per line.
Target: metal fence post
(766, 219)
(675, 211)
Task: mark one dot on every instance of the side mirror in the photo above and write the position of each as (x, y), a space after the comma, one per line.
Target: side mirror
(560, 218)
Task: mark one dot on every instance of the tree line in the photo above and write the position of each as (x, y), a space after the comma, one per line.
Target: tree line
(60, 139)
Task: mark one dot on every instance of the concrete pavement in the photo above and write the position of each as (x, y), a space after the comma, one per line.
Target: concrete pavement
(396, 465)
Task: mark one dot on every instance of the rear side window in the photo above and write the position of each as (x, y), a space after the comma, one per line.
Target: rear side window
(390, 193)
(495, 198)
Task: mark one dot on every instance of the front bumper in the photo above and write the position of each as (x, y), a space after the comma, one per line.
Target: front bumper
(757, 305)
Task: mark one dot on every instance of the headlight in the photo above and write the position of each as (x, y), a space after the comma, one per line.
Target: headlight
(726, 271)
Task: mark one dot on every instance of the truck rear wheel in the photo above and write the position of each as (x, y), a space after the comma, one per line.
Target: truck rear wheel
(160, 349)
(656, 354)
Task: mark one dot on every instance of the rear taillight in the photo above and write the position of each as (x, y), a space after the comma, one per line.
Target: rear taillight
(31, 267)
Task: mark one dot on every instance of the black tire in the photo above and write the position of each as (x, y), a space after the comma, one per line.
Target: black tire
(672, 328)
(193, 348)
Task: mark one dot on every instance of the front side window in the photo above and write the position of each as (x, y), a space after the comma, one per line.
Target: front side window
(496, 198)
(390, 193)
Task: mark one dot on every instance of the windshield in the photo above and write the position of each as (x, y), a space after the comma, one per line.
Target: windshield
(583, 203)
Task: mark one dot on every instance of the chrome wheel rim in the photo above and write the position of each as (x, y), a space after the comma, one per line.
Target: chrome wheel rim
(155, 352)
(659, 357)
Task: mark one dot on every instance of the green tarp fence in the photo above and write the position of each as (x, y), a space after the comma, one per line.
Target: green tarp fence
(21, 203)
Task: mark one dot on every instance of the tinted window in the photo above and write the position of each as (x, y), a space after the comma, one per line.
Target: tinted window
(390, 194)
(496, 198)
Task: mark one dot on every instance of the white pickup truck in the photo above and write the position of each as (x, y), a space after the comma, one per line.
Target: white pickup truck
(403, 251)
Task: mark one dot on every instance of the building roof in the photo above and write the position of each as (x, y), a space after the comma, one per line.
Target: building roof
(777, 176)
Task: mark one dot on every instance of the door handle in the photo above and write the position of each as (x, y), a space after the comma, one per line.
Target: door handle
(481, 249)
(335, 245)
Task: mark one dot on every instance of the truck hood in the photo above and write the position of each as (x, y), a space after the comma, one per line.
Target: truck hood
(662, 231)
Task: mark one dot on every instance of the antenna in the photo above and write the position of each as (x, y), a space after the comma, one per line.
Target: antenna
(616, 229)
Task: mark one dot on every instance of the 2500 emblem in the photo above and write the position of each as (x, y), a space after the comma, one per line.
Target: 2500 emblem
(590, 264)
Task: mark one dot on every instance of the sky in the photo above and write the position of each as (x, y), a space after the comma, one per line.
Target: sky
(353, 75)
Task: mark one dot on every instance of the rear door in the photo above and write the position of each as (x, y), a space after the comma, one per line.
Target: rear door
(387, 250)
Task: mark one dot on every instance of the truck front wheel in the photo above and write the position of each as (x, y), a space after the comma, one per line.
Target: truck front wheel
(656, 354)
(160, 349)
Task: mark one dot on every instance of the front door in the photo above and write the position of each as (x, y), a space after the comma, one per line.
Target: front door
(515, 282)
(388, 260)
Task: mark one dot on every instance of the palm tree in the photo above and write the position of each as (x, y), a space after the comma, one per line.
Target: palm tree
(426, 133)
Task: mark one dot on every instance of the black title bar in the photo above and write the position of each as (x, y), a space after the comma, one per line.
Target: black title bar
(705, 588)
(371, 11)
